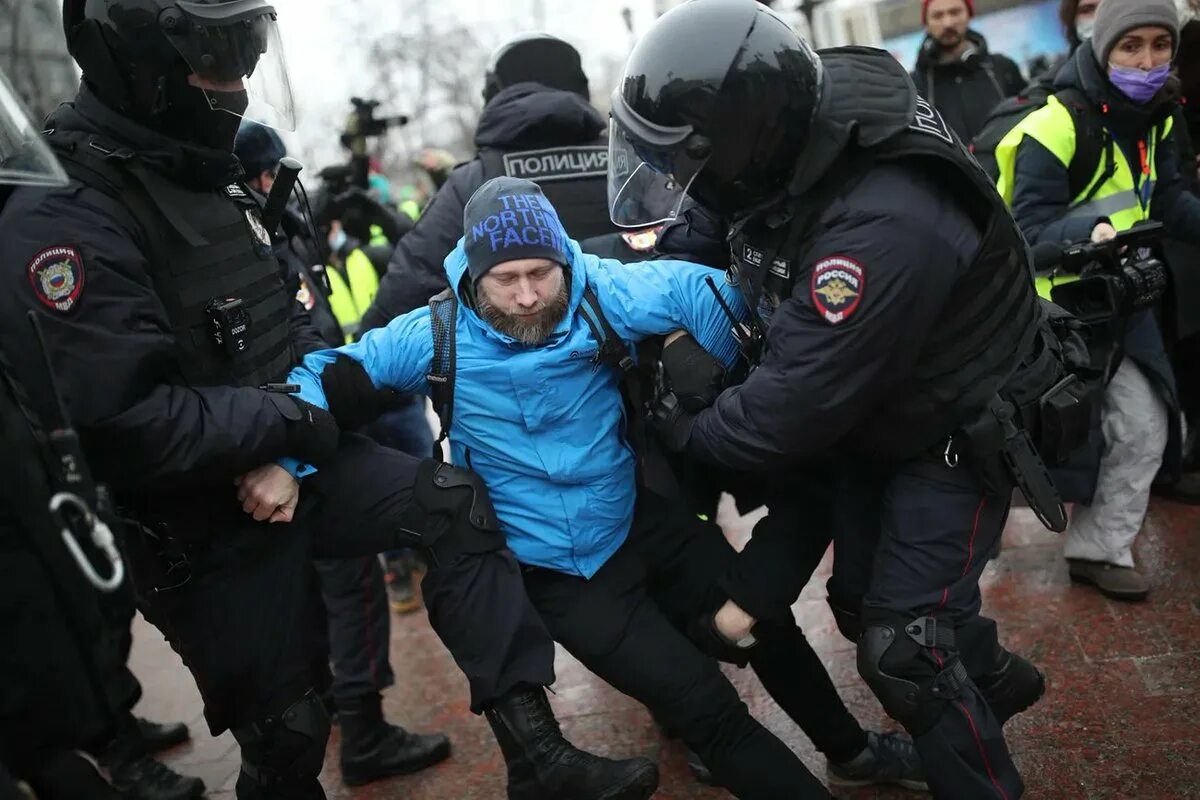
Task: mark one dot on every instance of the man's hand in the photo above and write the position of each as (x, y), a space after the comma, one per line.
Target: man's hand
(671, 422)
(268, 493)
(1103, 232)
(725, 635)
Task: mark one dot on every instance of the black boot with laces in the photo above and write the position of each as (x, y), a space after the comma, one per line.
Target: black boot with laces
(542, 765)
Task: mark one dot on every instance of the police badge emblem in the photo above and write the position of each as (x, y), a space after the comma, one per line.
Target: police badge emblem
(837, 288)
(258, 229)
(56, 274)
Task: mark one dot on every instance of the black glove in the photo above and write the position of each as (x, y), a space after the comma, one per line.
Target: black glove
(353, 399)
(671, 422)
(703, 632)
(693, 374)
(312, 432)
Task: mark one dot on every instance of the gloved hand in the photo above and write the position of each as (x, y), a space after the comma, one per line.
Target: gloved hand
(671, 422)
(703, 632)
(312, 432)
(692, 373)
(352, 397)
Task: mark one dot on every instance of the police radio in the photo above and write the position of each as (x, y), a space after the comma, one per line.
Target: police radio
(230, 323)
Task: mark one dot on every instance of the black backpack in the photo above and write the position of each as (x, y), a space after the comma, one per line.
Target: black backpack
(1092, 142)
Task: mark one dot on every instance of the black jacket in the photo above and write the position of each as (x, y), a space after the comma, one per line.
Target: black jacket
(112, 348)
(965, 91)
(523, 116)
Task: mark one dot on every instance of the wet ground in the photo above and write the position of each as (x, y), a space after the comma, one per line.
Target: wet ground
(1118, 721)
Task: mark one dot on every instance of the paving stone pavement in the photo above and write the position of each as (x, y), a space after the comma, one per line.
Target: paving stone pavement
(1118, 720)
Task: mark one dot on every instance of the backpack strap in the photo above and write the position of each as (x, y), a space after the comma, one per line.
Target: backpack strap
(443, 314)
(613, 351)
(1092, 143)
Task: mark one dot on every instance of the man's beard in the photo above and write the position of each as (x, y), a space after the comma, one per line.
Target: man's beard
(950, 39)
(527, 330)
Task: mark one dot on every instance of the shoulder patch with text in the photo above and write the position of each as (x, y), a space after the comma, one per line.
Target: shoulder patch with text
(838, 283)
(56, 274)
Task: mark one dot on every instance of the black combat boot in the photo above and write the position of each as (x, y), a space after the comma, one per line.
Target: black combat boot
(542, 765)
(137, 776)
(1013, 687)
(160, 736)
(373, 749)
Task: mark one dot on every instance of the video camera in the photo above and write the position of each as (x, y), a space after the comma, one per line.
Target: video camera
(1118, 277)
(362, 124)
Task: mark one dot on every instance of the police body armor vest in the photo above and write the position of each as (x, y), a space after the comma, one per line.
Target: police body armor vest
(574, 179)
(988, 327)
(201, 246)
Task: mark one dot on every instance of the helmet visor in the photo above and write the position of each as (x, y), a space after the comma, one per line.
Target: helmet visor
(237, 58)
(649, 171)
(25, 160)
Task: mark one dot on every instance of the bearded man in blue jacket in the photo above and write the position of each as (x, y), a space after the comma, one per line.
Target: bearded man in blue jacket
(615, 573)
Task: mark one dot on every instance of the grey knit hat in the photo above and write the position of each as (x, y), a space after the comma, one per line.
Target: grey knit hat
(1115, 18)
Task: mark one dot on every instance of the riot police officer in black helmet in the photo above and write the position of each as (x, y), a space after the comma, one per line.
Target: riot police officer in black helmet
(170, 331)
(895, 339)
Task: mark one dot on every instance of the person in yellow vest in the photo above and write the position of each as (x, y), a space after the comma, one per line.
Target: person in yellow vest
(354, 275)
(1124, 72)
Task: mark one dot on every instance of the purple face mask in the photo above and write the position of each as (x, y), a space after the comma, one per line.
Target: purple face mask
(1138, 84)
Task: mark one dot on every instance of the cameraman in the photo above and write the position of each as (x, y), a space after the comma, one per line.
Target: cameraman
(1124, 72)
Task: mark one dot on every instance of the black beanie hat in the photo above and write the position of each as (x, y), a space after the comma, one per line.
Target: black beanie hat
(535, 58)
(509, 219)
(258, 147)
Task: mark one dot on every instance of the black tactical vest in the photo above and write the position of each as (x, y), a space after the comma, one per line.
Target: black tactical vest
(574, 179)
(201, 246)
(986, 338)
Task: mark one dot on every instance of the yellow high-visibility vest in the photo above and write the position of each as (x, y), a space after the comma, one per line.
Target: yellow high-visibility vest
(351, 294)
(1119, 198)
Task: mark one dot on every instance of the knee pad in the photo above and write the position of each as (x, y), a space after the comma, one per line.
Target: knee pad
(283, 755)
(896, 659)
(455, 510)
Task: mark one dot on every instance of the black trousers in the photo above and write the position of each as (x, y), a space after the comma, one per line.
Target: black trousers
(357, 625)
(914, 543)
(240, 616)
(624, 625)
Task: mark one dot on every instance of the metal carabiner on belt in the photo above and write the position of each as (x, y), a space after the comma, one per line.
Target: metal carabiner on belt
(102, 539)
(949, 456)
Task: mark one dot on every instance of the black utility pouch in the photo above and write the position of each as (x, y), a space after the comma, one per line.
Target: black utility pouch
(1065, 417)
(982, 441)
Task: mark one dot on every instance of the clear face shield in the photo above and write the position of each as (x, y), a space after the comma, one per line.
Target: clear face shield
(649, 170)
(25, 160)
(235, 48)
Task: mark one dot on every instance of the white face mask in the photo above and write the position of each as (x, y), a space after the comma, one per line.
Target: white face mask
(1084, 28)
(337, 240)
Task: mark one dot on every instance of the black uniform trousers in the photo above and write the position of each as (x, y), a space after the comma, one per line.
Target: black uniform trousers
(356, 627)
(913, 543)
(240, 613)
(624, 625)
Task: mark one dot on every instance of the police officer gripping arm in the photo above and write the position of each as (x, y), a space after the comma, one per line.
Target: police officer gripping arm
(898, 337)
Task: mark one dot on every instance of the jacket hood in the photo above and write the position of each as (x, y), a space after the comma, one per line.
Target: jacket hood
(927, 56)
(575, 272)
(188, 164)
(532, 115)
(1127, 120)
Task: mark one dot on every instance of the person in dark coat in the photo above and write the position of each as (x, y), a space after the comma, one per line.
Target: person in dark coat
(955, 71)
(538, 123)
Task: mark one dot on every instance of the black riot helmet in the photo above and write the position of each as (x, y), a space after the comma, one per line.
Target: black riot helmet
(717, 102)
(188, 68)
(535, 58)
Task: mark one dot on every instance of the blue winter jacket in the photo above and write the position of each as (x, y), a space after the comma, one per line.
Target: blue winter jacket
(541, 424)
